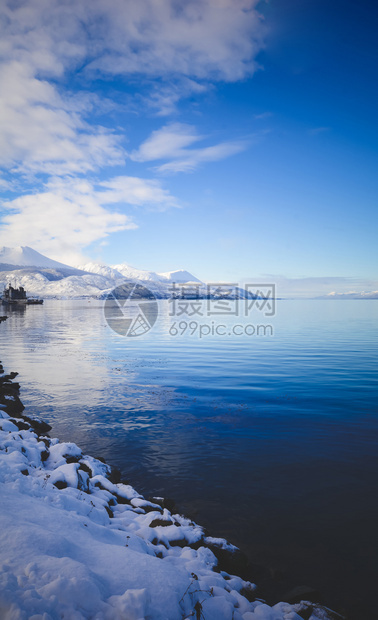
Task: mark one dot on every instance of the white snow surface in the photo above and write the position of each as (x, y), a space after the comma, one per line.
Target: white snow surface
(97, 550)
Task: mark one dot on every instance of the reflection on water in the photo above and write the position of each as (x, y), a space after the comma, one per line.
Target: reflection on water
(271, 442)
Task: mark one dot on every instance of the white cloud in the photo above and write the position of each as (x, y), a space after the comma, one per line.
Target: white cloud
(70, 214)
(164, 97)
(46, 130)
(169, 141)
(216, 39)
(40, 132)
(193, 157)
(202, 39)
(172, 142)
(42, 40)
(138, 192)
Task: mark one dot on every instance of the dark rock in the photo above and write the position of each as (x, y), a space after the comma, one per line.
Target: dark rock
(45, 455)
(84, 467)
(148, 508)
(22, 426)
(306, 612)
(155, 542)
(181, 542)
(70, 459)
(122, 500)
(249, 592)
(114, 475)
(231, 561)
(196, 545)
(9, 378)
(161, 522)
(101, 459)
(25, 472)
(38, 425)
(7, 386)
(302, 593)
(60, 484)
(100, 486)
(163, 502)
(13, 405)
(110, 513)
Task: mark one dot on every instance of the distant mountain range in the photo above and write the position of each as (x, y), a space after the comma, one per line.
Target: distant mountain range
(42, 276)
(351, 295)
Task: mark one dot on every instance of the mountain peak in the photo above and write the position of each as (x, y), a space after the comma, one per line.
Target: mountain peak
(180, 276)
(24, 256)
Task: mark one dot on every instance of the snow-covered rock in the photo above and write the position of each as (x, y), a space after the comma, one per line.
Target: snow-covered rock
(73, 545)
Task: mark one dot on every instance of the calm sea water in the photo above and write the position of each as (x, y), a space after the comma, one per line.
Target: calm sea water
(269, 441)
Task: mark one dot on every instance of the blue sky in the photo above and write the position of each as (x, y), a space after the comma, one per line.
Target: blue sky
(233, 138)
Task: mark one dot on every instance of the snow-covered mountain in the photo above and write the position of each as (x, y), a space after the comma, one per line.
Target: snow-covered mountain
(351, 295)
(23, 256)
(44, 277)
(43, 283)
(179, 276)
(102, 270)
(136, 274)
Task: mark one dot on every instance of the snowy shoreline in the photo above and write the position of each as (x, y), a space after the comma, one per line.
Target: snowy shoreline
(77, 543)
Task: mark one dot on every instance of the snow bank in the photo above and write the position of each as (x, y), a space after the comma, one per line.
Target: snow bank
(76, 545)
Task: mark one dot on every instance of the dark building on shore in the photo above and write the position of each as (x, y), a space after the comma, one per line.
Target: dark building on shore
(14, 294)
